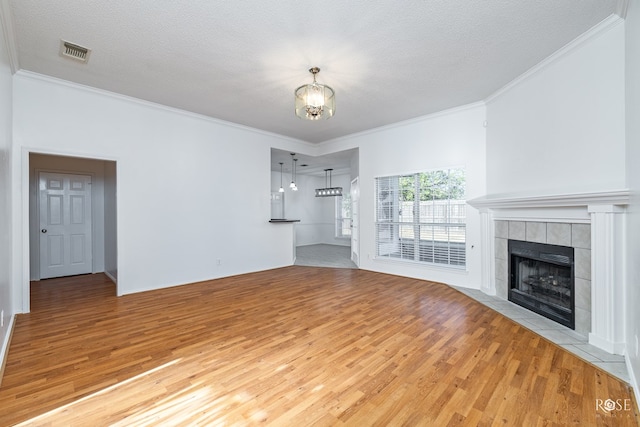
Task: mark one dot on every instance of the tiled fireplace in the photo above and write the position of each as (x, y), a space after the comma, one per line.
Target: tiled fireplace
(591, 225)
(564, 235)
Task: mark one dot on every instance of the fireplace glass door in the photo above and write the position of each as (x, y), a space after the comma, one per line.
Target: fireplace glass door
(542, 280)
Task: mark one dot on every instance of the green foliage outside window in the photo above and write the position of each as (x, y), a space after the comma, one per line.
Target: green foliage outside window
(434, 185)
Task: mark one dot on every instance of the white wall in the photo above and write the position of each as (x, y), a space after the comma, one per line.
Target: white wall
(302, 205)
(176, 180)
(561, 129)
(6, 97)
(632, 313)
(95, 168)
(453, 138)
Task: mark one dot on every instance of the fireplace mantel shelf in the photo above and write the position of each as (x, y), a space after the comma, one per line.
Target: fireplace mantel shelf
(614, 197)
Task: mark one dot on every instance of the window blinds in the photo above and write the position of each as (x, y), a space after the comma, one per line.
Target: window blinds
(421, 217)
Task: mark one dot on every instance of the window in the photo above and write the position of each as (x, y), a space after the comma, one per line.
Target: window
(421, 217)
(343, 215)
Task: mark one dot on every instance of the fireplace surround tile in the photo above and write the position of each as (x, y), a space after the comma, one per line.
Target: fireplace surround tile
(502, 288)
(502, 229)
(583, 293)
(583, 321)
(559, 234)
(501, 248)
(501, 277)
(536, 232)
(517, 230)
(583, 263)
(581, 236)
(501, 266)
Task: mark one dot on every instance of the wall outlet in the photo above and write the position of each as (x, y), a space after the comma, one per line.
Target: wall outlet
(2, 321)
(218, 261)
(637, 347)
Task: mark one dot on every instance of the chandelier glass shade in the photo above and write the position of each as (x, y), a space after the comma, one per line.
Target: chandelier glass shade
(315, 101)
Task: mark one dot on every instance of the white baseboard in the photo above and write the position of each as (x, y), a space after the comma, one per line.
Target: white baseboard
(4, 352)
(113, 279)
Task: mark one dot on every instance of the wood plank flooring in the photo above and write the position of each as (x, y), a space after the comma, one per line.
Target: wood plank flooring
(296, 346)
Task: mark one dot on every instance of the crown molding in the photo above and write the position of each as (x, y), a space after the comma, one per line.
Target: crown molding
(408, 122)
(9, 35)
(621, 8)
(30, 75)
(604, 26)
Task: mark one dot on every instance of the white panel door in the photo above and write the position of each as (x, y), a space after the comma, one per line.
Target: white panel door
(355, 222)
(65, 224)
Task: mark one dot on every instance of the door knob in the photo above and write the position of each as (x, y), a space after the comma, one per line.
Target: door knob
(44, 230)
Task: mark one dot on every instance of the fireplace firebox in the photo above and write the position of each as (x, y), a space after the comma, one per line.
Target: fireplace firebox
(542, 279)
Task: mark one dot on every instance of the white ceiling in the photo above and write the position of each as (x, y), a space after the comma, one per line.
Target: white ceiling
(240, 61)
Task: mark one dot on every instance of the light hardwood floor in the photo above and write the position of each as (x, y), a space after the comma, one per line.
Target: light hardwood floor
(296, 346)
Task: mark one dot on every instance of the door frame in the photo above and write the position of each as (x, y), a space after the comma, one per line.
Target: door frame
(21, 243)
(355, 202)
(34, 235)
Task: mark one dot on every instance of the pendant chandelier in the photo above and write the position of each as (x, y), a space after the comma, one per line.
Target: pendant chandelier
(315, 101)
(328, 191)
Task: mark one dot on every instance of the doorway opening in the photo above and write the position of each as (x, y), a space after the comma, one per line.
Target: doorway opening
(326, 231)
(72, 216)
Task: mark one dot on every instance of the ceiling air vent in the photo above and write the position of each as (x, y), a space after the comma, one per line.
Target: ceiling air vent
(71, 50)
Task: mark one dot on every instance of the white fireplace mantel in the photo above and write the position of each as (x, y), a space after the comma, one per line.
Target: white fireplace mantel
(604, 211)
(507, 201)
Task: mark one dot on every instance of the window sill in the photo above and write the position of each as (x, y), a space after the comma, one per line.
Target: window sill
(458, 269)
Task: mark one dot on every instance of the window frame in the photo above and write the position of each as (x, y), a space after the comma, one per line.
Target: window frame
(395, 228)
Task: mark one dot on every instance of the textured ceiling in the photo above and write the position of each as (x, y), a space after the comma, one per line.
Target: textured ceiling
(240, 61)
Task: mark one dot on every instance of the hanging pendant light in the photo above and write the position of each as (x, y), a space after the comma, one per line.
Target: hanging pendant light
(281, 189)
(293, 185)
(315, 101)
(329, 190)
